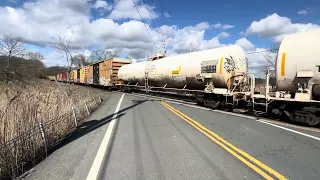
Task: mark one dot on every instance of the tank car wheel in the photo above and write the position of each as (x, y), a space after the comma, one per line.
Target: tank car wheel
(200, 101)
(230, 107)
(215, 105)
(207, 103)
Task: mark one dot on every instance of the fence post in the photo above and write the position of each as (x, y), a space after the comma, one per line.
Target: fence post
(43, 135)
(94, 99)
(74, 116)
(87, 108)
(100, 99)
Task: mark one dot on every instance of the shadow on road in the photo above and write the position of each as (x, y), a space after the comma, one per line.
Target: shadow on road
(91, 125)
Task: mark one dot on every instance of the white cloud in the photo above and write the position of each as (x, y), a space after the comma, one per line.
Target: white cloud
(181, 38)
(54, 58)
(125, 9)
(276, 26)
(167, 15)
(223, 34)
(134, 60)
(45, 20)
(245, 43)
(57, 58)
(257, 61)
(278, 39)
(227, 26)
(202, 26)
(102, 4)
(219, 25)
(303, 12)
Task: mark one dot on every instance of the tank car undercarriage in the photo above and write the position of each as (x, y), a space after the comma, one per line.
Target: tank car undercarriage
(242, 102)
(299, 112)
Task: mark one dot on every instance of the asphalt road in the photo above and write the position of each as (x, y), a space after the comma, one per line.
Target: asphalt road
(151, 142)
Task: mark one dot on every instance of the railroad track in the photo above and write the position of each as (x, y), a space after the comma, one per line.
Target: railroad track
(191, 102)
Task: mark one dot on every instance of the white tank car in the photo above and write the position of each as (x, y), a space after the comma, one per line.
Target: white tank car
(298, 61)
(191, 71)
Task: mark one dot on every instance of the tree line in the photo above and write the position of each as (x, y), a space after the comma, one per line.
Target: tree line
(17, 64)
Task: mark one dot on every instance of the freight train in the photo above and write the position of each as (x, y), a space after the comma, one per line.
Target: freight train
(102, 73)
(218, 78)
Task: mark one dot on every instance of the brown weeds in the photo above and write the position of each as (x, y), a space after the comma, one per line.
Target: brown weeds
(23, 108)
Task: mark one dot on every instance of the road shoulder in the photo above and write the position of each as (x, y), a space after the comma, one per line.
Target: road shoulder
(75, 155)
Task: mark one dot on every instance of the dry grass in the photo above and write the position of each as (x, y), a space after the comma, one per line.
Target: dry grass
(22, 107)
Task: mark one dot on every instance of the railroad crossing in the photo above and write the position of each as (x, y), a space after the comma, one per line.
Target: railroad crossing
(140, 137)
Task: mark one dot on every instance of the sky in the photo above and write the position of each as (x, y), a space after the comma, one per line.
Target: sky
(116, 25)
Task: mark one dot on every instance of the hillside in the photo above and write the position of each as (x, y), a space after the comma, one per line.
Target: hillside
(22, 69)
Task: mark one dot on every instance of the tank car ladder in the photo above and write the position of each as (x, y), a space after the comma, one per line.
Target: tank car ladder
(146, 74)
(264, 98)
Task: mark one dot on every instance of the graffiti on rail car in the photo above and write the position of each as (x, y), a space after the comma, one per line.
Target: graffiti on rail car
(230, 65)
(285, 81)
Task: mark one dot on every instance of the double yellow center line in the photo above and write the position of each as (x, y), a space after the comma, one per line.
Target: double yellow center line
(262, 169)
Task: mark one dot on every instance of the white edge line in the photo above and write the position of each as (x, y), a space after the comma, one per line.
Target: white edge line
(95, 167)
(159, 98)
(297, 132)
(233, 114)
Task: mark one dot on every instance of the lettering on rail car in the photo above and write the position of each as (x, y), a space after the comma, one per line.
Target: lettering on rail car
(209, 66)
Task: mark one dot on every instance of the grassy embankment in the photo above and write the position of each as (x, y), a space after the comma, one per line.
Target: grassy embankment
(22, 107)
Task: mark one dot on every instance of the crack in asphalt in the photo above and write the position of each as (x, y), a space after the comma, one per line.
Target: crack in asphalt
(315, 172)
(273, 152)
(306, 142)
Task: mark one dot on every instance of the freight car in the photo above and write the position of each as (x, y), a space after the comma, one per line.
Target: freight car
(105, 73)
(218, 78)
(102, 73)
(297, 80)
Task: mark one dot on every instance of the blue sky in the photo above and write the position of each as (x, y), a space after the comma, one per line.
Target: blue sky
(114, 24)
(239, 14)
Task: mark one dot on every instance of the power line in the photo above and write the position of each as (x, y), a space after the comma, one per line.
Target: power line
(164, 21)
(144, 24)
(155, 9)
(163, 17)
(154, 26)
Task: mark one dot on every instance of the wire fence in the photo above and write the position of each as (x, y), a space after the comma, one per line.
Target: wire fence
(32, 145)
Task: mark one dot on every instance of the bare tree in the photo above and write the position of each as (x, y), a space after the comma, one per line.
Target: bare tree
(10, 47)
(100, 54)
(271, 56)
(34, 56)
(63, 44)
(80, 60)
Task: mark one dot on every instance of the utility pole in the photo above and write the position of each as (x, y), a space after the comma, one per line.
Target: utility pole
(190, 46)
